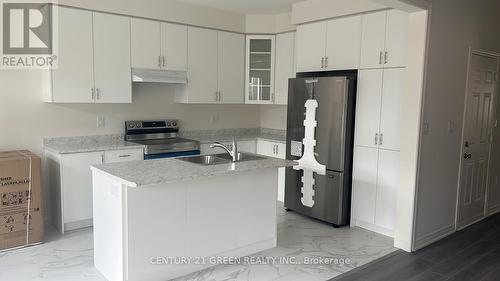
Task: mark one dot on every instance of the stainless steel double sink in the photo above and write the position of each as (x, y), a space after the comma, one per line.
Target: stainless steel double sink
(216, 159)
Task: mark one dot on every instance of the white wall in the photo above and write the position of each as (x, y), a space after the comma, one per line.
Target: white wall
(273, 116)
(168, 10)
(25, 120)
(270, 24)
(454, 26)
(314, 10)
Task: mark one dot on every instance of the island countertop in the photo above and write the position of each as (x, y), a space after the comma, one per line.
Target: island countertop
(169, 170)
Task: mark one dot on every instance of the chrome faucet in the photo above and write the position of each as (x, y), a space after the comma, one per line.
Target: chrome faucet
(233, 152)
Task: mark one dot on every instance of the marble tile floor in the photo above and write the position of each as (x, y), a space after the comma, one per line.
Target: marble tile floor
(70, 257)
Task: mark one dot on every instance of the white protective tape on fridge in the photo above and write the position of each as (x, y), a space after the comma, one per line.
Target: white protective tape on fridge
(308, 162)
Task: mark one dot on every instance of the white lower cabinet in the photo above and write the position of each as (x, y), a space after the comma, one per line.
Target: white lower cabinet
(375, 183)
(76, 184)
(71, 180)
(277, 150)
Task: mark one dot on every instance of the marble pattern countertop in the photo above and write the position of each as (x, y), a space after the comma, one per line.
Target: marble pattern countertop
(226, 135)
(169, 170)
(65, 145)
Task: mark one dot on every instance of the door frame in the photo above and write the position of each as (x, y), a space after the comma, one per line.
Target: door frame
(473, 51)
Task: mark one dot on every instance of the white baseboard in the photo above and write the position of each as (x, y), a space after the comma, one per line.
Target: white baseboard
(374, 228)
(433, 236)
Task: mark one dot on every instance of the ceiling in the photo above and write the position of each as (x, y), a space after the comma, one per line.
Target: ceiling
(247, 6)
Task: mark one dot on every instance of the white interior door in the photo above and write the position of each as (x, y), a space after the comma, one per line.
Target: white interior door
(343, 43)
(373, 40)
(174, 46)
(390, 116)
(202, 65)
(311, 44)
(368, 103)
(73, 80)
(112, 71)
(481, 92)
(145, 43)
(231, 82)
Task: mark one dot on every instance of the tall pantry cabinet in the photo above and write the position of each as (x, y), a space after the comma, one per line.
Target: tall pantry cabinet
(378, 111)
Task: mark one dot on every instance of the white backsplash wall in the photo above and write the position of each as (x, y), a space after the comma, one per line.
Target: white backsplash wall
(25, 120)
(273, 116)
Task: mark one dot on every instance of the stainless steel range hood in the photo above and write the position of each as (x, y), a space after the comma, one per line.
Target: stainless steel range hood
(141, 75)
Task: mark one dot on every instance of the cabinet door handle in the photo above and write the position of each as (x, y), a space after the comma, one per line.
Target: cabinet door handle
(277, 149)
(381, 139)
(323, 62)
(326, 62)
(159, 61)
(164, 61)
(386, 57)
(220, 96)
(98, 94)
(381, 55)
(92, 93)
(376, 138)
(124, 155)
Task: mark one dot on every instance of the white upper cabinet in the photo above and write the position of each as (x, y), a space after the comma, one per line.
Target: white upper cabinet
(215, 67)
(158, 45)
(396, 39)
(373, 40)
(384, 39)
(112, 70)
(145, 43)
(72, 81)
(343, 42)
(368, 104)
(329, 45)
(94, 59)
(311, 46)
(231, 54)
(285, 68)
(202, 66)
(259, 74)
(391, 108)
(378, 108)
(174, 46)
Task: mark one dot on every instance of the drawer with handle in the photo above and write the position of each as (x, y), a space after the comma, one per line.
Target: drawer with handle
(114, 156)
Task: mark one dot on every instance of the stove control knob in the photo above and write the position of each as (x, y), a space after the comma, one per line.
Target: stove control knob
(138, 125)
(169, 124)
(174, 124)
(131, 125)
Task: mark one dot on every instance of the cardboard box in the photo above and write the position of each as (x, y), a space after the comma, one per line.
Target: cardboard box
(21, 216)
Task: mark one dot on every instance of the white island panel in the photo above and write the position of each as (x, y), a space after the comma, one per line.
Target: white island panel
(232, 215)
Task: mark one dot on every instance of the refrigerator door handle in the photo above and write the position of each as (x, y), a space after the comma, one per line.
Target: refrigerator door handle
(376, 138)
(381, 138)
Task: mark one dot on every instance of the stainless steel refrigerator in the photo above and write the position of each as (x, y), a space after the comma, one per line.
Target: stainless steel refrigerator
(335, 93)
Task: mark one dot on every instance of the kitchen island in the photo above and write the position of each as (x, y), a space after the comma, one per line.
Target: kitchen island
(161, 219)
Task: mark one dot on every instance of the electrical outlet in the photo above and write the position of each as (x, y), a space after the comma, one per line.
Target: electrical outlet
(100, 122)
(425, 128)
(451, 127)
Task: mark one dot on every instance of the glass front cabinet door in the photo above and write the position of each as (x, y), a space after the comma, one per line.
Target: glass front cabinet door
(260, 54)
